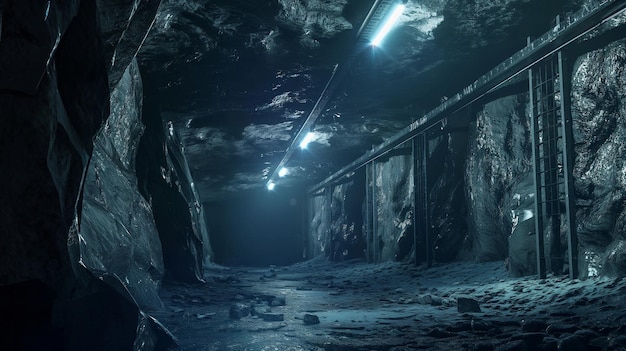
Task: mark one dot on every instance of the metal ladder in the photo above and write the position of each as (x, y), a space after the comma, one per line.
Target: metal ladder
(553, 156)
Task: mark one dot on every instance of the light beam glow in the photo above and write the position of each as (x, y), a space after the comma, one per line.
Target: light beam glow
(395, 15)
(271, 186)
(283, 172)
(307, 140)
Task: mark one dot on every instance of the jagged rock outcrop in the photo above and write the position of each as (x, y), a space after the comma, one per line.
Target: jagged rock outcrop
(118, 237)
(599, 112)
(498, 163)
(393, 207)
(54, 97)
(346, 227)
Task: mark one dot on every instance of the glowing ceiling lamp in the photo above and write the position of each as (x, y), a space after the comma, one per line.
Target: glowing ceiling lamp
(395, 15)
(307, 140)
(271, 186)
(283, 172)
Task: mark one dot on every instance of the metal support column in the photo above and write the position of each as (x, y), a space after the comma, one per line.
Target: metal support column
(553, 156)
(568, 165)
(421, 225)
(328, 195)
(369, 212)
(534, 126)
(375, 241)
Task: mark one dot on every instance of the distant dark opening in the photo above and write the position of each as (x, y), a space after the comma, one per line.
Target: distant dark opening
(260, 229)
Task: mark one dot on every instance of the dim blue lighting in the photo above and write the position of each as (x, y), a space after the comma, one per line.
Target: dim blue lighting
(395, 15)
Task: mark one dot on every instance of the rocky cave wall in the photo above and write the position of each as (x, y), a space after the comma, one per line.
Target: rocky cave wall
(481, 194)
(499, 185)
(79, 242)
(336, 221)
(318, 238)
(393, 207)
(346, 222)
(599, 112)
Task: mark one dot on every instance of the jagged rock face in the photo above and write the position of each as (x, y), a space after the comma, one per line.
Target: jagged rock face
(498, 163)
(346, 227)
(393, 207)
(318, 238)
(118, 234)
(55, 96)
(599, 110)
(448, 208)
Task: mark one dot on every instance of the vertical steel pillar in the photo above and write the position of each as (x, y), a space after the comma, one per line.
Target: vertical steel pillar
(550, 142)
(421, 225)
(369, 212)
(328, 194)
(375, 241)
(534, 126)
(568, 165)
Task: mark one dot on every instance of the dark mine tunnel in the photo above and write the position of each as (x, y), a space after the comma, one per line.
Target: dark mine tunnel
(312, 175)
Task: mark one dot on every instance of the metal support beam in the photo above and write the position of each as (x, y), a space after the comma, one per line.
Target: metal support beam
(568, 165)
(375, 241)
(369, 213)
(534, 126)
(570, 30)
(328, 195)
(421, 225)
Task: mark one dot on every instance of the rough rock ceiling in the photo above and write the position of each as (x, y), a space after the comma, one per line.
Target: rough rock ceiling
(237, 79)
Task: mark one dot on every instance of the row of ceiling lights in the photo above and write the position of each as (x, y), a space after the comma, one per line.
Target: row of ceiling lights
(377, 40)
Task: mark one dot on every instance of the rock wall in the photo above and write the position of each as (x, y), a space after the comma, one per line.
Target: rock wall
(346, 228)
(599, 112)
(394, 207)
(336, 221)
(56, 239)
(319, 232)
(446, 198)
(498, 176)
(118, 237)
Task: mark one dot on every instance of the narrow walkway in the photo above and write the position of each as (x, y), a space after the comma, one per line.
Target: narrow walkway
(393, 306)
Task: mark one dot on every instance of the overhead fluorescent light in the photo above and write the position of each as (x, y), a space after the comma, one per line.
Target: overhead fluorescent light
(308, 138)
(271, 186)
(282, 172)
(393, 18)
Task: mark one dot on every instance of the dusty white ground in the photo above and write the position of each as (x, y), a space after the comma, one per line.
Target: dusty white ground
(395, 306)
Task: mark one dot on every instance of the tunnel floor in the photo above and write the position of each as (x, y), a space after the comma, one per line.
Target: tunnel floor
(393, 306)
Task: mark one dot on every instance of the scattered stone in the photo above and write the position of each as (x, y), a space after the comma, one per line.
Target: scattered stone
(278, 301)
(436, 301)
(482, 346)
(573, 343)
(440, 333)
(532, 339)
(480, 325)
(560, 328)
(425, 299)
(533, 325)
(463, 326)
(260, 309)
(517, 345)
(603, 343)
(467, 305)
(239, 310)
(310, 319)
(204, 315)
(618, 341)
(271, 317)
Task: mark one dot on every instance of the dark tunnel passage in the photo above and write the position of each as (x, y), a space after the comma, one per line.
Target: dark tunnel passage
(269, 175)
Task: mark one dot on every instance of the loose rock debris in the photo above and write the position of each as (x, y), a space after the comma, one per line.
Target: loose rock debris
(318, 305)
